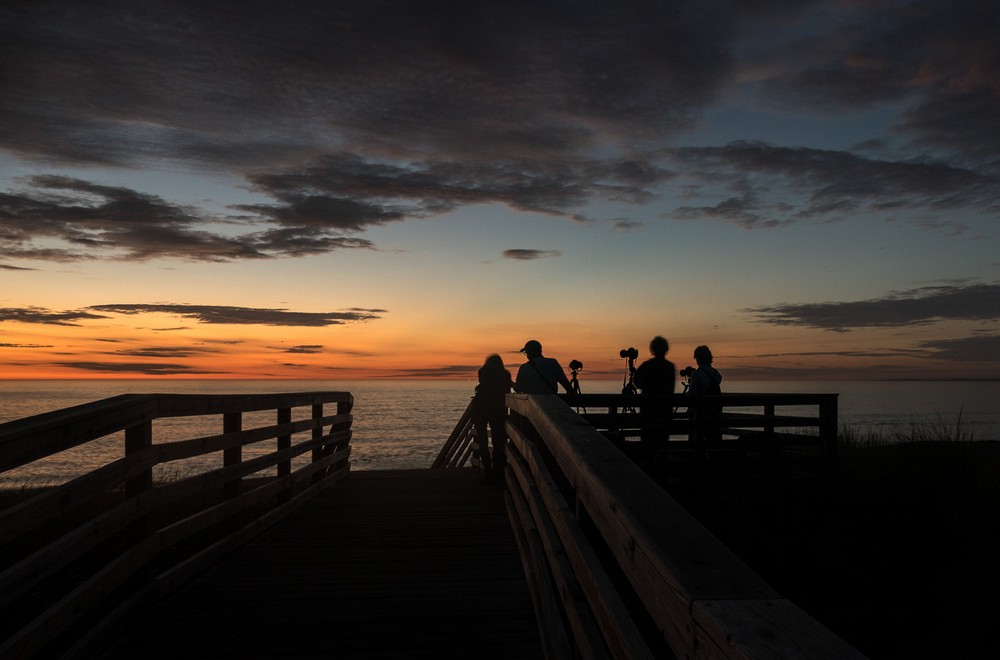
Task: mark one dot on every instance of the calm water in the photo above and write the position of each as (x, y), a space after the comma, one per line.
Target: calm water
(402, 424)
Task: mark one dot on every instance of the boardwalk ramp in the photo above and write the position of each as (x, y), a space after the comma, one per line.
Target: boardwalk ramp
(400, 564)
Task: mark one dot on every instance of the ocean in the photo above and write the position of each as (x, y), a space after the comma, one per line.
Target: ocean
(403, 424)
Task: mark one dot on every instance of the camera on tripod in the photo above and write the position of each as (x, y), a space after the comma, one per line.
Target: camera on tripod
(630, 354)
(575, 366)
(686, 372)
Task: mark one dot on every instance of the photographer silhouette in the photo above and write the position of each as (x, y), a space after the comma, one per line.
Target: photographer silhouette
(656, 377)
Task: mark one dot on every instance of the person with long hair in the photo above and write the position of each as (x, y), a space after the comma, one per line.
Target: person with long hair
(490, 409)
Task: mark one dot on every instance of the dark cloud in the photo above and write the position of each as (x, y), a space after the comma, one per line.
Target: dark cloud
(9, 267)
(348, 193)
(822, 184)
(348, 115)
(25, 346)
(146, 368)
(976, 349)
(627, 225)
(223, 314)
(305, 349)
(976, 302)
(941, 58)
(240, 84)
(528, 255)
(46, 316)
(164, 352)
(884, 353)
(355, 114)
(93, 221)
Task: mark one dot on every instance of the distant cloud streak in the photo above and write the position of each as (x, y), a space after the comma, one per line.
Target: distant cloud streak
(45, 316)
(224, 314)
(529, 255)
(824, 185)
(210, 314)
(977, 302)
(145, 368)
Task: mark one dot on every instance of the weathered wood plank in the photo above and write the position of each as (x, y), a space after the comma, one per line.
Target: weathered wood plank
(619, 630)
(762, 629)
(404, 564)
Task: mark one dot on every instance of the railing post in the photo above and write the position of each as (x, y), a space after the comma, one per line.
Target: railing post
(138, 439)
(284, 442)
(232, 423)
(769, 412)
(828, 430)
(343, 408)
(317, 432)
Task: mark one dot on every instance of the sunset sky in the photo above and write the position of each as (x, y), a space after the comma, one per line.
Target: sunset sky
(399, 188)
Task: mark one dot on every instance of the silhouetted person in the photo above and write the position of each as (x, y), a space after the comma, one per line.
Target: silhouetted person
(656, 377)
(488, 407)
(706, 380)
(540, 375)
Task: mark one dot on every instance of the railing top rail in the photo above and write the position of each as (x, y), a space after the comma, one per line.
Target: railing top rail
(25, 440)
(727, 398)
(678, 568)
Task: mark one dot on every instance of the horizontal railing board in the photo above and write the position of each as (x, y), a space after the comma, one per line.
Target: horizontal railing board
(25, 440)
(581, 621)
(621, 635)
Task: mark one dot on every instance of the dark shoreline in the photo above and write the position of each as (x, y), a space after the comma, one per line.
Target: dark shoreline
(896, 553)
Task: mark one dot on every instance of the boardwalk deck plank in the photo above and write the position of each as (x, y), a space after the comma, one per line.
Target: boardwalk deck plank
(401, 564)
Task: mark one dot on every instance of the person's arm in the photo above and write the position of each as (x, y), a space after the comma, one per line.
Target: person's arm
(561, 378)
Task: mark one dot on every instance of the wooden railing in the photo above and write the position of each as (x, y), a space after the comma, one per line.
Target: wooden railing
(806, 436)
(618, 569)
(797, 429)
(460, 445)
(83, 555)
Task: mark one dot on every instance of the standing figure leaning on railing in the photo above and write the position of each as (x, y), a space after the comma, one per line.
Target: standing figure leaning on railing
(656, 377)
(488, 407)
(706, 380)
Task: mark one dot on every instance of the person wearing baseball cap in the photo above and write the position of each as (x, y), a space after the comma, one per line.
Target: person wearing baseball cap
(540, 374)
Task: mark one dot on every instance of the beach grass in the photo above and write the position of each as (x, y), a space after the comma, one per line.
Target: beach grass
(896, 551)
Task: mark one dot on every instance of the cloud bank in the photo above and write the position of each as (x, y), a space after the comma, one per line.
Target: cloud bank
(962, 302)
(209, 314)
(351, 115)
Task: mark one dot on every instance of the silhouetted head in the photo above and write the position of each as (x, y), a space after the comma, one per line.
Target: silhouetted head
(702, 355)
(494, 362)
(659, 346)
(532, 348)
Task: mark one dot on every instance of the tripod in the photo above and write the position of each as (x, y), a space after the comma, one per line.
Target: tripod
(575, 367)
(628, 383)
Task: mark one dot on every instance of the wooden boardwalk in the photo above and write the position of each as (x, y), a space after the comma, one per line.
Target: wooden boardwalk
(385, 564)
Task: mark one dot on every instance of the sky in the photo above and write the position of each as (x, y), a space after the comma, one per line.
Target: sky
(397, 189)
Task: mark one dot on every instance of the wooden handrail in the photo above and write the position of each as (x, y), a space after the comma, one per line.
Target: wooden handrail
(702, 600)
(456, 450)
(132, 536)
